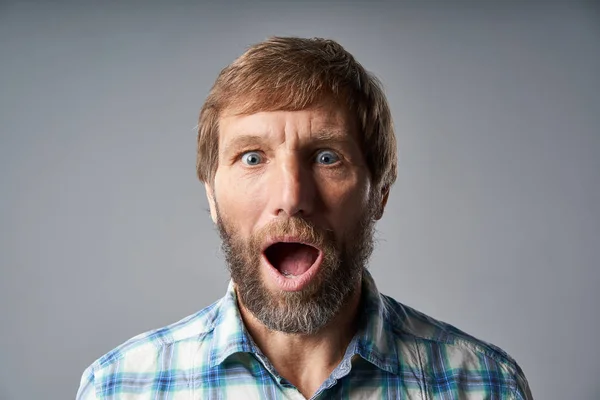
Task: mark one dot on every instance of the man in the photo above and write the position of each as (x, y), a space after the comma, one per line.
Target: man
(297, 153)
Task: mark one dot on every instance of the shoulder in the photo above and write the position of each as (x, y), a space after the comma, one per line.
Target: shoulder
(146, 345)
(145, 354)
(409, 321)
(442, 347)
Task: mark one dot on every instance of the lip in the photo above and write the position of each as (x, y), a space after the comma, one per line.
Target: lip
(298, 282)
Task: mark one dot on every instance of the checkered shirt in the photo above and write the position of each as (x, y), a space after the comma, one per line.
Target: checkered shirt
(397, 353)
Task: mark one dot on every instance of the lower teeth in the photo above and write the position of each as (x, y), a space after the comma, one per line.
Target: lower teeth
(287, 274)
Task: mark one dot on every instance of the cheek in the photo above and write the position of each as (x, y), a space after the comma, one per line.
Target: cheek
(345, 200)
(240, 203)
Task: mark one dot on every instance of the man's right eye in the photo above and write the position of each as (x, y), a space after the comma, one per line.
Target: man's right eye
(251, 158)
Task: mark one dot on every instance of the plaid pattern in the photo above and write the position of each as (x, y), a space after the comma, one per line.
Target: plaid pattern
(398, 353)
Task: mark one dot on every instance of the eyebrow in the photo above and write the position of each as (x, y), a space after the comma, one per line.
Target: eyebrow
(244, 141)
(319, 137)
(329, 135)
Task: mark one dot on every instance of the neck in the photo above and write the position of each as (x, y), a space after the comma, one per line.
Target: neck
(306, 360)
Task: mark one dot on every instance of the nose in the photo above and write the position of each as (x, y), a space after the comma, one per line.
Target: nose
(292, 189)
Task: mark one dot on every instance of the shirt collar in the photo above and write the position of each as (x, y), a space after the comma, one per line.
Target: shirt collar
(229, 335)
(374, 341)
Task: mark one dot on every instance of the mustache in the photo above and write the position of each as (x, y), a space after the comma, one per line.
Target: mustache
(298, 227)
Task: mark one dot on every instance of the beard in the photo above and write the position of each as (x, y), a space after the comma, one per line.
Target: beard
(308, 310)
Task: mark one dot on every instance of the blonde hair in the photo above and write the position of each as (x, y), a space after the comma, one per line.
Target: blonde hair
(288, 73)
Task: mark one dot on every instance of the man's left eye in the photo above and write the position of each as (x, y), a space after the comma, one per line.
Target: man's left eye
(327, 157)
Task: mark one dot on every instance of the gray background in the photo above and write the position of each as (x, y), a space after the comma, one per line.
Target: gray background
(492, 226)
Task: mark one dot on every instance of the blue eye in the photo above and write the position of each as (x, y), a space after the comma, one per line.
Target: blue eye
(251, 158)
(327, 157)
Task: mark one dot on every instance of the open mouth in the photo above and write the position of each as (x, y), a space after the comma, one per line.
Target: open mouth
(291, 259)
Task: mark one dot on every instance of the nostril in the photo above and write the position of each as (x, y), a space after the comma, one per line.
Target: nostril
(290, 213)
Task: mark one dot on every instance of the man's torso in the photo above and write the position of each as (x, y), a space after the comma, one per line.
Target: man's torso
(399, 353)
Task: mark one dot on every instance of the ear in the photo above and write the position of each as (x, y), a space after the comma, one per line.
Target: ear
(211, 202)
(385, 192)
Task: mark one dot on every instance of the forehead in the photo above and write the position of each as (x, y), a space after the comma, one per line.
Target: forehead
(328, 120)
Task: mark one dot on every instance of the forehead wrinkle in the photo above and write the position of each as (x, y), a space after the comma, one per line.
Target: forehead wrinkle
(331, 125)
(241, 135)
(328, 130)
(297, 136)
(291, 134)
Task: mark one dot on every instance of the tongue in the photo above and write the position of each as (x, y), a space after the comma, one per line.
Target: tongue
(292, 258)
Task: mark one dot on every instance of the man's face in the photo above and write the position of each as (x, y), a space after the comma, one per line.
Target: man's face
(293, 203)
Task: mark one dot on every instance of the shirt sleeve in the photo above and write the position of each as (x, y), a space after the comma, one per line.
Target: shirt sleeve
(87, 388)
(522, 391)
